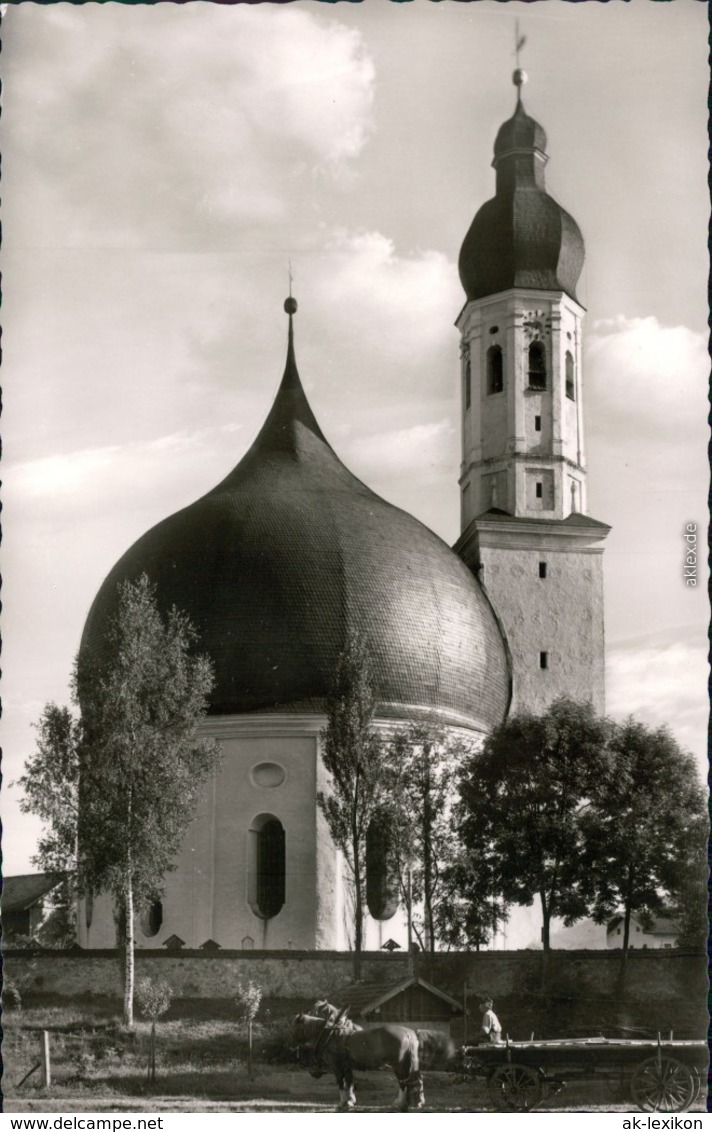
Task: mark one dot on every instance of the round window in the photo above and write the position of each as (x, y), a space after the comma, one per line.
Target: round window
(268, 774)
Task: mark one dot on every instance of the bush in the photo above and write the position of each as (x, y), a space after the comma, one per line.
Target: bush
(11, 997)
(248, 999)
(153, 998)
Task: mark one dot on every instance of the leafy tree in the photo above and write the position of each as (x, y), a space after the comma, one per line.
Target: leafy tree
(59, 927)
(51, 789)
(646, 830)
(470, 911)
(247, 999)
(119, 788)
(153, 999)
(353, 755)
(422, 761)
(521, 804)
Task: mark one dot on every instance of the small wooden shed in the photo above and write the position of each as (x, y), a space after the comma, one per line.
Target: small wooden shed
(412, 1002)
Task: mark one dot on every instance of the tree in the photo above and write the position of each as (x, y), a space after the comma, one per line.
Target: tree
(470, 911)
(153, 999)
(521, 803)
(646, 831)
(353, 755)
(422, 761)
(119, 787)
(247, 999)
(51, 790)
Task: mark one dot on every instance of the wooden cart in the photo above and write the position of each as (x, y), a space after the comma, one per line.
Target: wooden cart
(661, 1076)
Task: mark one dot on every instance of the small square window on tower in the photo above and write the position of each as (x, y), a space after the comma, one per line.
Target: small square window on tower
(537, 424)
(543, 660)
(542, 569)
(539, 489)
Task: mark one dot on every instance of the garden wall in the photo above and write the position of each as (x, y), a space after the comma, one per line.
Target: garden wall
(563, 992)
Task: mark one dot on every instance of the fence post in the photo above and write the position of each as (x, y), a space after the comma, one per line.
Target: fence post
(46, 1070)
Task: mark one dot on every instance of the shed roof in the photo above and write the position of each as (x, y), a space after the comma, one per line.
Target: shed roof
(22, 892)
(367, 997)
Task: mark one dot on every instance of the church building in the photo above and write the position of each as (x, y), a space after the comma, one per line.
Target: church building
(291, 554)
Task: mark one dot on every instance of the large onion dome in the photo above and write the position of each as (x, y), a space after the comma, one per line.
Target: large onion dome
(522, 237)
(288, 555)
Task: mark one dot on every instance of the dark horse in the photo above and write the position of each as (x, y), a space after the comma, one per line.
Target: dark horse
(436, 1050)
(342, 1046)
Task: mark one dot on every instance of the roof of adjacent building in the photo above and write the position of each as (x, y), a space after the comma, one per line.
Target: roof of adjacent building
(660, 925)
(22, 892)
(363, 998)
(290, 554)
(521, 237)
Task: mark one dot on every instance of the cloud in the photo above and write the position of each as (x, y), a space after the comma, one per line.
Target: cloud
(395, 453)
(647, 379)
(661, 678)
(394, 305)
(144, 127)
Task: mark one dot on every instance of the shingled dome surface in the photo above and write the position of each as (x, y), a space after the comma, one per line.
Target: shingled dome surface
(522, 237)
(279, 562)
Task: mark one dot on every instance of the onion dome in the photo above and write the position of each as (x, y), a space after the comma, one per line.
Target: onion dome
(280, 562)
(522, 237)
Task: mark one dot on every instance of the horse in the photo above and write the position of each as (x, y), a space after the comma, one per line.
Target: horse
(342, 1046)
(436, 1050)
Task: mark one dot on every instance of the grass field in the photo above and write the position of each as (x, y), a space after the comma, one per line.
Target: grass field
(100, 1066)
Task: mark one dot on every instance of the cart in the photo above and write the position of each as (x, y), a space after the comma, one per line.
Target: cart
(661, 1076)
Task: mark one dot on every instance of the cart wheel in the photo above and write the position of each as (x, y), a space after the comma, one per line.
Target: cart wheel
(663, 1085)
(514, 1088)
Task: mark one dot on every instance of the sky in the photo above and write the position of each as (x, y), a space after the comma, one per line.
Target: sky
(164, 164)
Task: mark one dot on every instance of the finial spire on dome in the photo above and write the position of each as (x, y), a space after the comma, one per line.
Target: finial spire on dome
(290, 370)
(290, 414)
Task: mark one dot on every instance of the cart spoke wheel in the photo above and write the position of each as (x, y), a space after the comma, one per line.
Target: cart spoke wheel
(514, 1088)
(664, 1085)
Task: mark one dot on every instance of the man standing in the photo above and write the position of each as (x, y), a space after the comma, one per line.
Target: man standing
(491, 1030)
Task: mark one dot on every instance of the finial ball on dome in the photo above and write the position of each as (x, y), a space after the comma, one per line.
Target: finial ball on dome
(290, 305)
(520, 77)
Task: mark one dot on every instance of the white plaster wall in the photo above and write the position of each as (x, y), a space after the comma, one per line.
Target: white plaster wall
(206, 896)
(561, 614)
(498, 430)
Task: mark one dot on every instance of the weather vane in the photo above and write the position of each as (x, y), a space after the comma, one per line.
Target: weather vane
(291, 277)
(519, 42)
(519, 77)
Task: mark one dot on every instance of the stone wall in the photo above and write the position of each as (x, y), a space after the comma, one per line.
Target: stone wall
(563, 992)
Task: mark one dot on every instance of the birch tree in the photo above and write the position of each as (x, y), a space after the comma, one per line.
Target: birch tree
(129, 774)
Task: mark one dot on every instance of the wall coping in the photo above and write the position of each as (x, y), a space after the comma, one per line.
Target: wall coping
(609, 954)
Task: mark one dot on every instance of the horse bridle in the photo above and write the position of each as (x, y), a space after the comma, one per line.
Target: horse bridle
(331, 1027)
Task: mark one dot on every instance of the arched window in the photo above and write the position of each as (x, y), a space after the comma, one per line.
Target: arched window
(152, 918)
(537, 366)
(570, 377)
(381, 877)
(266, 863)
(495, 370)
(468, 383)
(88, 908)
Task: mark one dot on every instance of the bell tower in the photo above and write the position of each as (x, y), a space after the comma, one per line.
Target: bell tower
(525, 527)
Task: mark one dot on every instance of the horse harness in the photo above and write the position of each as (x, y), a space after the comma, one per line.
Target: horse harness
(332, 1028)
